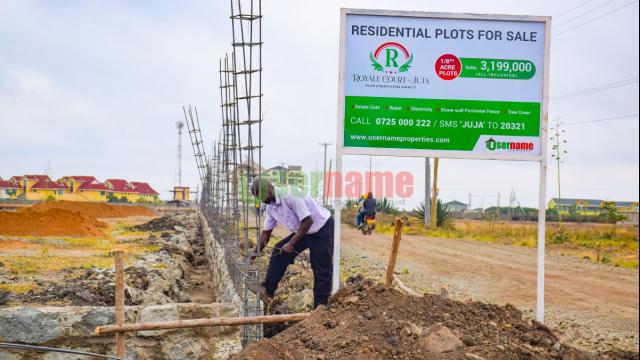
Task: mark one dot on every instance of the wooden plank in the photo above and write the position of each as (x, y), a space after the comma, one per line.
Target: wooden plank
(182, 324)
(118, 257)
(397, 234)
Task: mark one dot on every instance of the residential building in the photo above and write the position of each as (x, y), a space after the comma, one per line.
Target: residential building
(8, 190)
(456, 206)
(592, 207)
(44, 190)
(181, 193)
(290, 175)
(75, 188)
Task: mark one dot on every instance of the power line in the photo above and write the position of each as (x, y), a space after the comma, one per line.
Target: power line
(603, 119)
(597, 88)
(596, 18)
(584, 13)
(573, 8)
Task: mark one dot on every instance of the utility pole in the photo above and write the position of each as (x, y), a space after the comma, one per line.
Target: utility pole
(498, 208)
(512, 196)
(427, 192)
(557, 152)
(370, 178)
(324, 174)
(434, 194)
(469, 205)
(179, 126)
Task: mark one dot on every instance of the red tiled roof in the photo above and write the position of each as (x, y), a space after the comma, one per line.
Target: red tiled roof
(15, 179)
(93, 186)
(37, 177)
(47, 184)
(81, 178)
(143, 188)
(120, 185)
(6, 184)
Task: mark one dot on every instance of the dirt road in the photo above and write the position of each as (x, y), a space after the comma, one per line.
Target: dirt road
(594, 306)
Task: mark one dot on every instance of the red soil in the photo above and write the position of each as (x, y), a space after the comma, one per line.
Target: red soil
(65, 218)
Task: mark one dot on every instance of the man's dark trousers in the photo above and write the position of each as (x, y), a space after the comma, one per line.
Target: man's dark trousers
(320, 246)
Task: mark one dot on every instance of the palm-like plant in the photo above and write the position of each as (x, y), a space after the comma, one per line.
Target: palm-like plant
(444, 215)
(419, 211)
(385, 206)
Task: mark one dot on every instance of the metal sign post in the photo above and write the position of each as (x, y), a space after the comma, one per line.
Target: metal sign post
(444, 85)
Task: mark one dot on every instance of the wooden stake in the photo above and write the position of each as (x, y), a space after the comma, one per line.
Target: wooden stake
(434, 194)
(181, 324)
(118, 257)
(397, 234)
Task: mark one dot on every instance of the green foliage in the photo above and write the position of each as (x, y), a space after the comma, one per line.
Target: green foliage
(611, 214)
(384, 205)
(560, 237)
(444, 216)
(114, 199)
(51, 198)
(419, 211)
(349, 203)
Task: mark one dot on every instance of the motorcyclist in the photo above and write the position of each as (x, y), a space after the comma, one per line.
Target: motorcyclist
(369, 205)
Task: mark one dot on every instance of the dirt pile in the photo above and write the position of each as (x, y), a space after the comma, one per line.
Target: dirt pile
(49, 222)
(97, 210)
(95, 287)
(165, 223)
(65, 218)
(368, 321)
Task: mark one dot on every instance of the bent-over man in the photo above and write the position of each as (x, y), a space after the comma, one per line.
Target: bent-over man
(311, 227)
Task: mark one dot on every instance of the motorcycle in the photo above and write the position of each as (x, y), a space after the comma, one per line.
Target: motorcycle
(369, 223)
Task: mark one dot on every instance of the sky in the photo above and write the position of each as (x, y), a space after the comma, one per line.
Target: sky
(96, 88)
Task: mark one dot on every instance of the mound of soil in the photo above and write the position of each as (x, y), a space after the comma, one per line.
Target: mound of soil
(49, 222)
(164, 223)
(97, 210)
(368, 321)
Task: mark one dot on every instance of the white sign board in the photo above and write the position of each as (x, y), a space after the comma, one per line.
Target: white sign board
(444, 85)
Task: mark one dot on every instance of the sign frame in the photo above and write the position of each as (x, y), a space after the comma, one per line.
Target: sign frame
(541, 159)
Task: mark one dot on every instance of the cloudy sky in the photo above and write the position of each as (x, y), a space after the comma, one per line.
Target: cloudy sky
(95, 88)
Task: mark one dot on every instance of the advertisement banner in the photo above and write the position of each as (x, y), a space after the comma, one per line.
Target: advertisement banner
(442, 86)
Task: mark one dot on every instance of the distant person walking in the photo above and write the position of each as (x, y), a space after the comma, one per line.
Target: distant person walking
(311, 227)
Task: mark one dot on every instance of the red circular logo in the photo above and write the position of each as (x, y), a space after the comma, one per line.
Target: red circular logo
(448, 67)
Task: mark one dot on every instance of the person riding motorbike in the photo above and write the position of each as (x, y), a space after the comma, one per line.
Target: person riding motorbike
(368, 207)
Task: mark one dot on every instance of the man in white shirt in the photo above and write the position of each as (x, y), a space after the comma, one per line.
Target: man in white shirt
(311, 227)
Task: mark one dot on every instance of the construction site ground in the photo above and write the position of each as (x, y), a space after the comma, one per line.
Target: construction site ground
(591, 306)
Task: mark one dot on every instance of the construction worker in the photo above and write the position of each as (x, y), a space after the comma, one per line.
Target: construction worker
(311, 227)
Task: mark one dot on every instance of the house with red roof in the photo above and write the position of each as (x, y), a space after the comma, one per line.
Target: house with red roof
(9, 190)
(76, 188)
(45, 189)
(131, 191)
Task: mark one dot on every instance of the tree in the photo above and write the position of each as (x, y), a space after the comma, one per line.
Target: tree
(610, 212)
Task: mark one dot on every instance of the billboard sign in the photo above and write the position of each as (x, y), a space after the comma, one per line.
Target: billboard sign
(444, 85)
